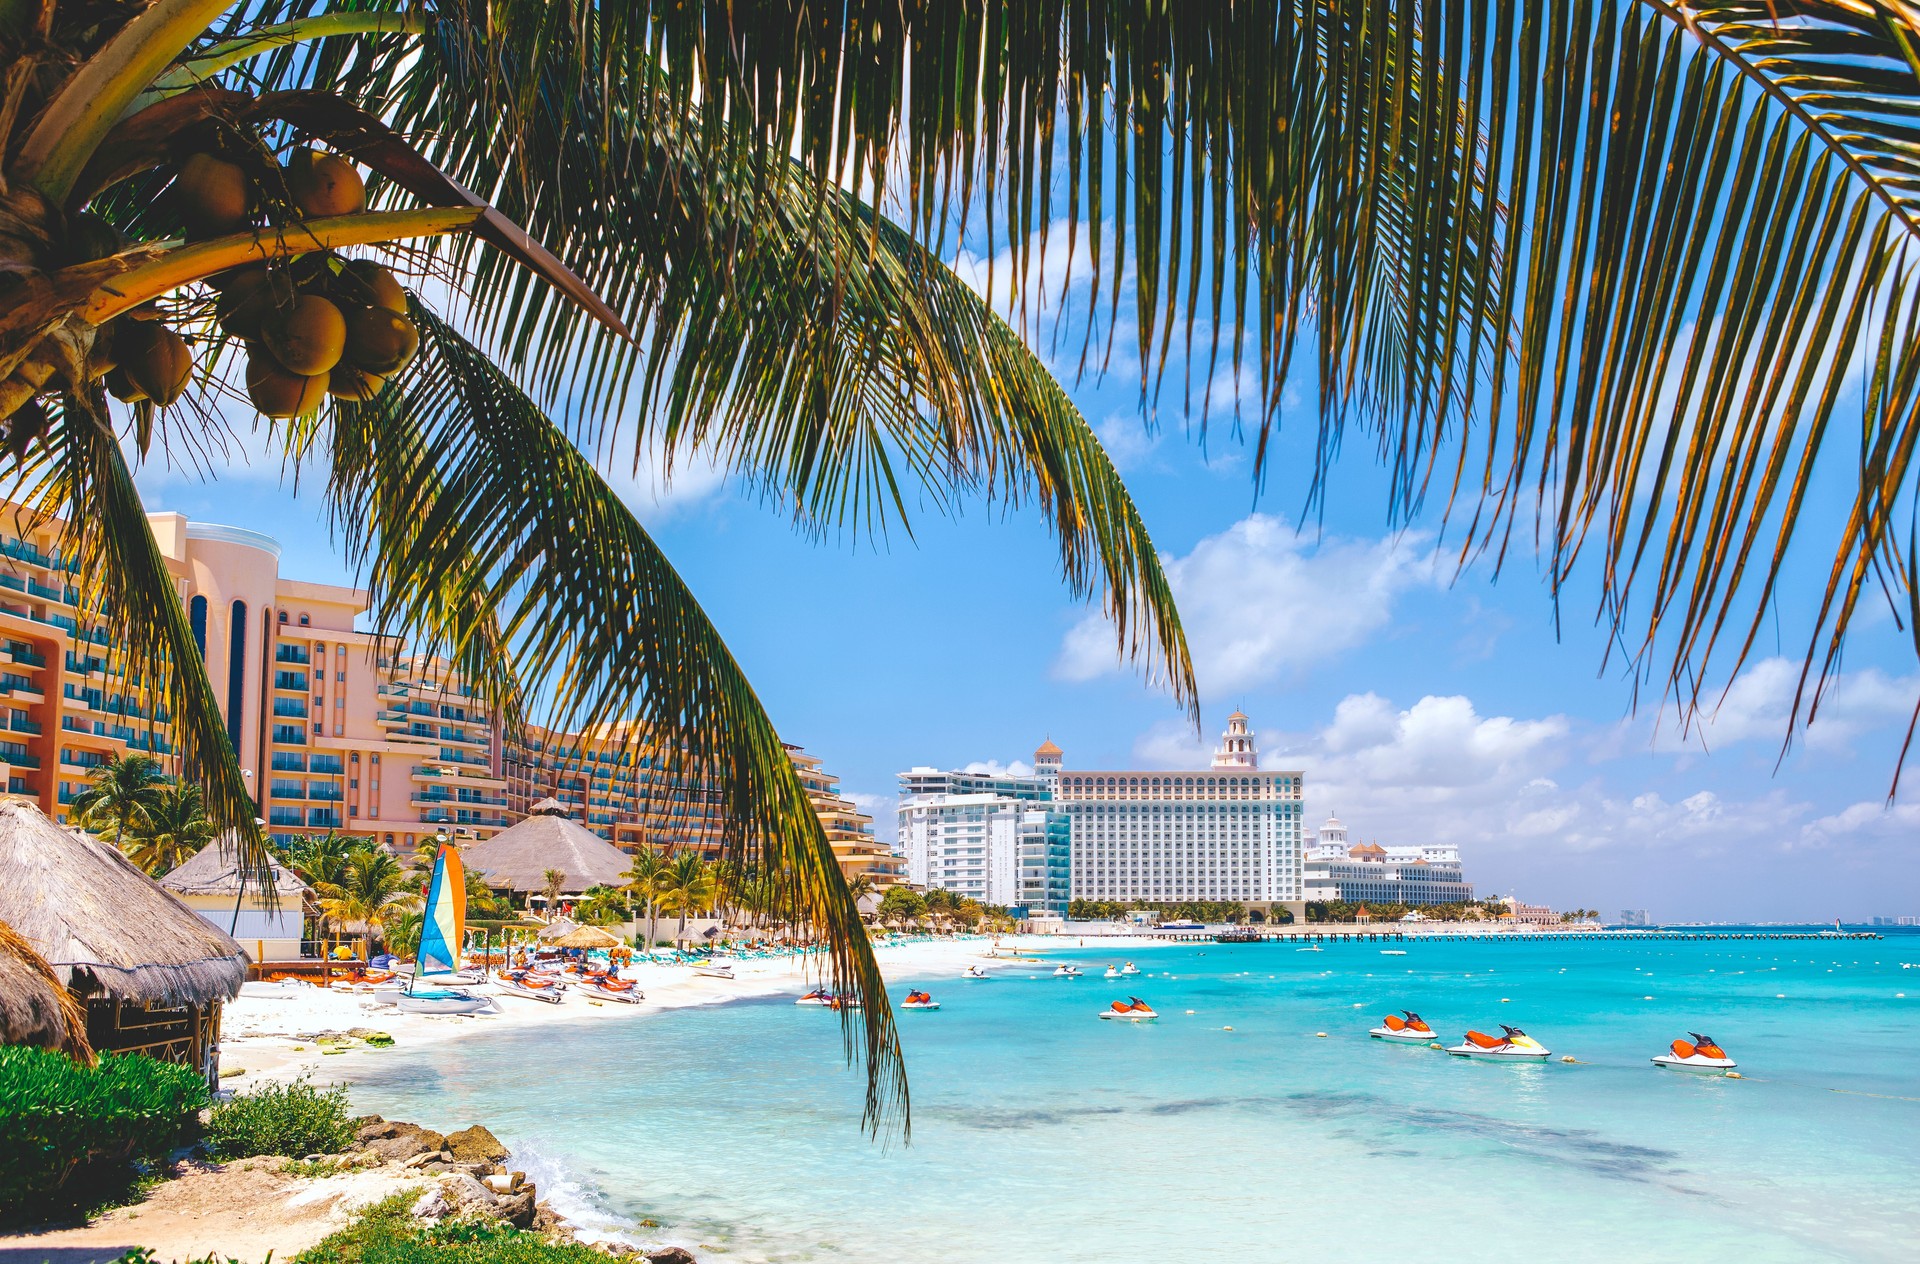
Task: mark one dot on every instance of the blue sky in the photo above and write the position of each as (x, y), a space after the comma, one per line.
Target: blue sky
(1420, 704)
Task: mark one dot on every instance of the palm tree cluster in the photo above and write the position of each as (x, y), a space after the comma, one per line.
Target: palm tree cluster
(132, 802)
(936, 908)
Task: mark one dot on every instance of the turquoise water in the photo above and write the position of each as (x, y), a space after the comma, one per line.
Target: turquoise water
(1041, 1133)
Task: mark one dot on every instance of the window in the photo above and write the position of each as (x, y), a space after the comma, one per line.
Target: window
(305, 620)
(236, 672)
(283, 616)
(197, 615)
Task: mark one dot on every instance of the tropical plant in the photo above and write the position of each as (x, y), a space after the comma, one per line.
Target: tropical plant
(643, 879)
(753, 311)
(686, 886)
(322, 860)
(860, 886)
(902, 905)
(602, 906)
(293, 1120)
(373, 889)
(71, 1132)
(551, 880)
(172, 827)
(119, 795)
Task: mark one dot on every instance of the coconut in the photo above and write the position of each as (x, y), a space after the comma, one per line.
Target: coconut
(275, 391)
(366, 282)
(212, 196)
(121, 388)
(250, 295)
(322, 184)
(347, 382)
(153, 359)
(378, 340)
(307, 335)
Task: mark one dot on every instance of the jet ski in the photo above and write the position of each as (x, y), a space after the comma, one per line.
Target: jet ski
(1131, 1010)
(975, 972)
(1113, 972)
(919, 1000)
(819, 997)
(1515, 1046)
(1066, 972)
(1700, 1054)
(1412, 1029)
(1129, 968)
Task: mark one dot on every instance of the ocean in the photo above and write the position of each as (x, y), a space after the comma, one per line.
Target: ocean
(1230, 1129)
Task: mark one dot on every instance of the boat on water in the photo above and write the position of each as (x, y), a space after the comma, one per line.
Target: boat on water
(1067, 972)
(1131, 1010)
(1113, 972)
(1411, 1029)
(819, 998)
(1393, 952)
(715, 969)
(443, 928)
(1514, 1046)
(533, 987)
(1129, 968)
(1311, 948)
(974, 972)
(1699, 1054)
(919, 1000)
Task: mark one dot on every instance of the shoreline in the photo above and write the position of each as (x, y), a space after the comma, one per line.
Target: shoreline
(272, 1031)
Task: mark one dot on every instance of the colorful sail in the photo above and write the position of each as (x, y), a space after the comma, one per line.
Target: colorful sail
(444, 927)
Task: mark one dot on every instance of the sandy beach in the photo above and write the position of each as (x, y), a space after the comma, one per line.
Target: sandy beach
(269, 1032)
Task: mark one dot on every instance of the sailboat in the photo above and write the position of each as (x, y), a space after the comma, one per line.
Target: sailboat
(443, 928)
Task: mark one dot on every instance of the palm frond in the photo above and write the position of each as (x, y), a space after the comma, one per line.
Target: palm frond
(81, 476)
(481, 524)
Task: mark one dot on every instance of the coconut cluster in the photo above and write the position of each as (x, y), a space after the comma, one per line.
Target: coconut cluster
(314, 326)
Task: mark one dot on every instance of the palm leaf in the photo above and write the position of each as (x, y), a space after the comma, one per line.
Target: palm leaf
(481, 524)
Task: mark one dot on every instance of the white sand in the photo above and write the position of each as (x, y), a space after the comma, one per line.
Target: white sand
(262, 1030)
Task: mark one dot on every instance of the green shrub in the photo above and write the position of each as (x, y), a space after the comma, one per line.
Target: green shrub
(294, 1119)
(386, 1234)
(72, 1134)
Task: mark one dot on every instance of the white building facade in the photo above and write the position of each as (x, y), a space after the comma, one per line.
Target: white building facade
(995, 839)
(1230, 833)
(1357, 874)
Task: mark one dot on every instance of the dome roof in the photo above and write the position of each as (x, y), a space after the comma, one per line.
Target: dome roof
(1048, 750)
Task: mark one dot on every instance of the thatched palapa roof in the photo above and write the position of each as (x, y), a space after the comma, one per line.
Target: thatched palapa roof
(35, 1007)
(101, 923)
(216, 870)
(588, 937)
(518, 857)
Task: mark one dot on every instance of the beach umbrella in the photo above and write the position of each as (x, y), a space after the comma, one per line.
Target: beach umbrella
(556, 930)
(587, 937)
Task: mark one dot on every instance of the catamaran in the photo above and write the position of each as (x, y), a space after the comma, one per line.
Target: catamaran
(443, 929)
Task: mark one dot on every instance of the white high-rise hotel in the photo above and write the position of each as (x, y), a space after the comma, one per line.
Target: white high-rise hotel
(1231, 833)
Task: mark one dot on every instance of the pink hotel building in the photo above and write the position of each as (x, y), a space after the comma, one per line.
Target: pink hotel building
(335, 727)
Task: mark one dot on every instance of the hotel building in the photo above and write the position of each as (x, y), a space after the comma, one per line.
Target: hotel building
(996, 838)
(1357, 874)
(335, 728)
(849, 830)
(1230, 833)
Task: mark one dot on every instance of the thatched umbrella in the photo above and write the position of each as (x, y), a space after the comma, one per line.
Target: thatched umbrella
(518, 857)
(35, 1007)
(555, 929)
(115, 938)
(587, 937)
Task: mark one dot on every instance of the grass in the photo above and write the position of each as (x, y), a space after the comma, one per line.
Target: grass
(387, 1234)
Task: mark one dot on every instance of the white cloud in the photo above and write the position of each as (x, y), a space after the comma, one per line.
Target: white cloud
(883, 808)
(1758, 703)
(1261, 601)
(994, 768)
(660, 483)
(1865, 821)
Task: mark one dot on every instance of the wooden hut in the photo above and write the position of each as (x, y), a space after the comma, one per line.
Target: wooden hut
(35, 1007)
(151, 975)
(213, 884)
(518, 857)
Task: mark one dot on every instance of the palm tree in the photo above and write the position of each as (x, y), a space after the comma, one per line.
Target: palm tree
(120, 795)
(323, 860)
(686, 886)
(173, 827)
(643, 879)
(752, 311)
(374, 889)
(860, 886)
(551, 881)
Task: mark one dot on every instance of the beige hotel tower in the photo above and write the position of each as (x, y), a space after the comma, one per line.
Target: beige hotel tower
(1230, 833)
